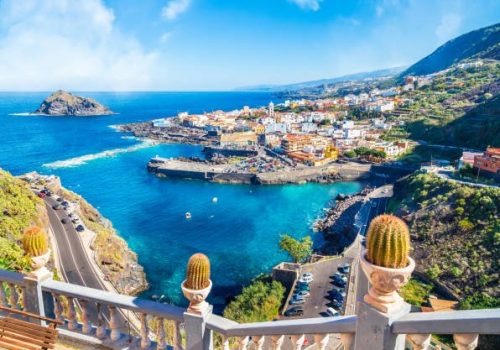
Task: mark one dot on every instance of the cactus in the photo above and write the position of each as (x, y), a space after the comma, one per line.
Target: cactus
(388, 242)
(35, 241)
(198, 272)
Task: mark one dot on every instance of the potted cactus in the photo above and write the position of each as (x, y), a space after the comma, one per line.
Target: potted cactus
(386, 262)
(35, 245)
(197, 284)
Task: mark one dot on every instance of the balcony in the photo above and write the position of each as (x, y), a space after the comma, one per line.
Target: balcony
(91, 318)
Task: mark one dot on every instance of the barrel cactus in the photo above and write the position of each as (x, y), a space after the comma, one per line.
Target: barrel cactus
(34, 241)
(388, 242)
(198, 272)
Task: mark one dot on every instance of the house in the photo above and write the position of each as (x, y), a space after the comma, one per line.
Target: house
(238, 139)
(488, 164)
(467, 158)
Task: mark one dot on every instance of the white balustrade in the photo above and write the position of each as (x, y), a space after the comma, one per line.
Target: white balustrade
(298, 341)
(86, 324)
(347, 339)
(177, 339)
(71, 314)
(144, 333)
(258, 342)
(161, 344)
(113, 323)
(13, 296)
(419, 341)
(277, 341)
(242, 343)
(100, 331)
(321, 341)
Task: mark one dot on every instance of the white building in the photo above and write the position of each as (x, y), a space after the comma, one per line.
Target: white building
(385, 106)
(353, 133)
(348, 124)
(309, 127)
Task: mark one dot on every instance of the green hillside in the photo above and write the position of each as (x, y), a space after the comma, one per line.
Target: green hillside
(480, 43)
(19, 209)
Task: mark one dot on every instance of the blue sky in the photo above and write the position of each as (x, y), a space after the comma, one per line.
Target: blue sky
(218, 44)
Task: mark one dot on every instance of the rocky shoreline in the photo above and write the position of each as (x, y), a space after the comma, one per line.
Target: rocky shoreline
(337, 224)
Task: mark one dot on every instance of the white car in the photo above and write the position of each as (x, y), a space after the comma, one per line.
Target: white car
(297, 301)
(332, 312)
(306, 278)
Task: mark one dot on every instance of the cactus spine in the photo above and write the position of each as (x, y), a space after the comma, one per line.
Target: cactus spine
(198, 272)
(35, 241)
(388, 242)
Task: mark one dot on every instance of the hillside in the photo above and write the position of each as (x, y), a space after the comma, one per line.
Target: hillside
(480, 43)
(64, 103)
(455, 233)
(20, 209)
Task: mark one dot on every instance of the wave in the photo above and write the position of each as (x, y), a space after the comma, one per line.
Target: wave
(24, 114)
(77, 161)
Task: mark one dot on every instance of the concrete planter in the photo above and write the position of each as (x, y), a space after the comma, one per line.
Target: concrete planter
(197, 303)
(38, 262)
(385, 284)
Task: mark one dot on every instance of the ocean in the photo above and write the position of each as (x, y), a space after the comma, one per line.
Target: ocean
(239, 233)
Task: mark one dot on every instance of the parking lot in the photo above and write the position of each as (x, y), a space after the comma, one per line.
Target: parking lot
(316, 304)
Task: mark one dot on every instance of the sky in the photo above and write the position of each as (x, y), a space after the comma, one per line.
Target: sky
(191, 45)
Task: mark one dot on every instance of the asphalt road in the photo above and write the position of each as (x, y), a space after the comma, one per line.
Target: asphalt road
(74, 262)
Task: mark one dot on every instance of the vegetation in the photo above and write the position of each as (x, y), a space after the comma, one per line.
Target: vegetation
(299, 250)
(35, 241)
(459, 220)
(198, 272)
(258, 302)
(368, 152)
(481, 43)
(20, 209)
(388, 242)
(415, 292)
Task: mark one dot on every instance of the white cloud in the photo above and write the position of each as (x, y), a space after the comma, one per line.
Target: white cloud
(74, 45)
(308, 4)
(448, 27)
(174, 8)
(165, 37)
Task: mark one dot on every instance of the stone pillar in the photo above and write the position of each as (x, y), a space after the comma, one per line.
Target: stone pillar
(33, 297)
(198, 336)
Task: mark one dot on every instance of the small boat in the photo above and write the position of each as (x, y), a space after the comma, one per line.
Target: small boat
(188, 215)
(215, 200)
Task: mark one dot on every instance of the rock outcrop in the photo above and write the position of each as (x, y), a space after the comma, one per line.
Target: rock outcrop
(64, 103)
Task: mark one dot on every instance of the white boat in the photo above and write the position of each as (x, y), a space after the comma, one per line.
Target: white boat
(215, 200)
(188, 215)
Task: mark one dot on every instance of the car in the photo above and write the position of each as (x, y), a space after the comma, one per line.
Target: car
(48, 193)
(332, 312)
(339, 282)
(79, 228)
(302, 286)
(302, 293)
(363, 242)
(64, 220)
(294, 311)
(65, 203)
(59, 199)
(75, 221)
(306, 278)
(41, 194)
(338, 294)
(344, 268)
(56, 207)
(71, 215)
(337, 304)
(295, 301)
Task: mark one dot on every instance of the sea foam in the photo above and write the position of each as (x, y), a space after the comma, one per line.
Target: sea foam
(81, 160)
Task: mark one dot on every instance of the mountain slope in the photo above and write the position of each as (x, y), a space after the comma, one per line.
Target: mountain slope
(480, 43)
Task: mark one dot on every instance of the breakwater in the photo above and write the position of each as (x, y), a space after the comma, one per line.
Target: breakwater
(223, 173)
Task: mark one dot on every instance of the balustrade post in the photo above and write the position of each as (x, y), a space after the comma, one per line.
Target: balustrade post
(199, 337)
(113, 323)
(466, 341)
(145, 341)
(347, 339)
(71, 314)
(420, 341)
(33, 296)
(86, 324)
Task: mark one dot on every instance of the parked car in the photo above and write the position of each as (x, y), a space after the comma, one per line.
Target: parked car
(59, 199)
(80, 228)
(332, 312)
(65, 203)
(64, 220)
(344, 268)
(338, 294)
(302, 293)
(302, 286)
(337, 304)
(56, 207)
(339, 280)
(41, 194)
(295, 301)
(294, 311)
(74, 221)
(306, 278)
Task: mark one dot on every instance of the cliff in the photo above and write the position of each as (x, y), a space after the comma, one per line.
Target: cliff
(64, 103)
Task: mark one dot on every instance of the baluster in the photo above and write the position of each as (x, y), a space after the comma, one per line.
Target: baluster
(242, 343)
(71, 314)
(100, 331)
(225, 342)
(145, 341)
(258, 341)
(23, 295)
(321, 340)
(113, 323)
(467, 341)
(347, 339)
(177, 341)
(419, 341)
(2, 295)
(161, 344)
(86, 324)
(277, 341)
(58, 310)
(297, 341)
(13, 296)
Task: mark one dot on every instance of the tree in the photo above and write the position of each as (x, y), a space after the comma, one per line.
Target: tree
(350, 154)
(299, 250)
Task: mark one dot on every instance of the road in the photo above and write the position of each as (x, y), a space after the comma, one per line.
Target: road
(73, 261)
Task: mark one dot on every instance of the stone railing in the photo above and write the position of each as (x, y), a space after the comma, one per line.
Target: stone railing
(99, 318)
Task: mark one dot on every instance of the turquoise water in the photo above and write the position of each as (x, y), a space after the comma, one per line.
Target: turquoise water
(239, 233)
